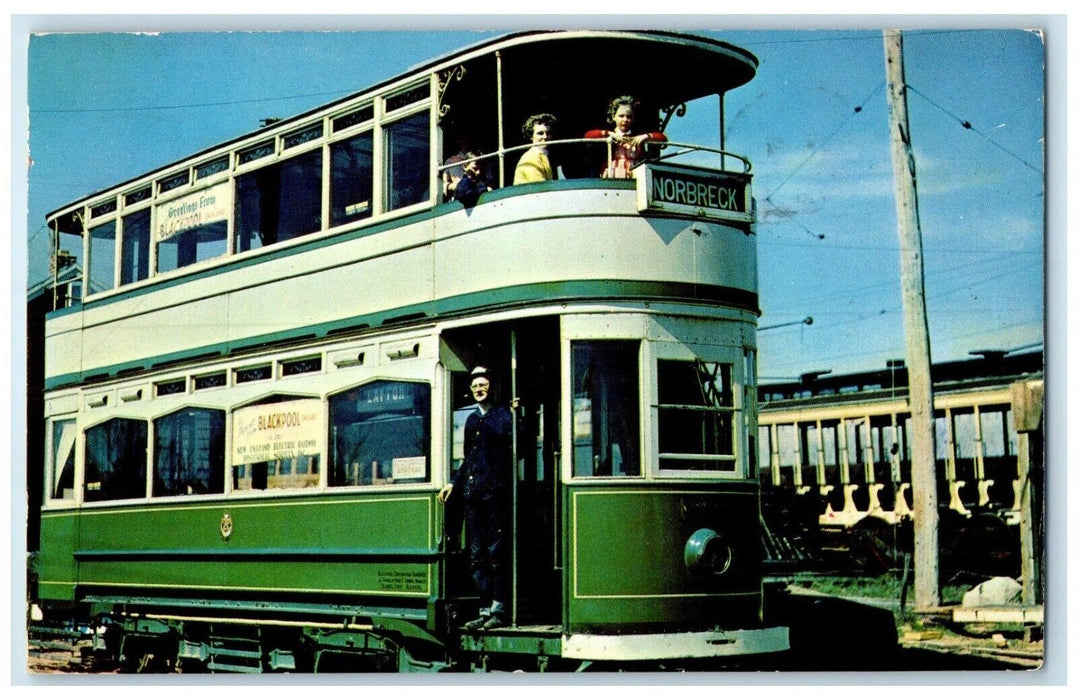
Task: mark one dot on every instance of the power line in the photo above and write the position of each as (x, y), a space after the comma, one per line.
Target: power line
(969, 127)
(856, 110)
(187, 106)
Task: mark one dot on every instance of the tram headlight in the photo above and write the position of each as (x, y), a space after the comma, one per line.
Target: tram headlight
(707, 554)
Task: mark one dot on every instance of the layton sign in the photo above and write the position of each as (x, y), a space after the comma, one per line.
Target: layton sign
(695, 192)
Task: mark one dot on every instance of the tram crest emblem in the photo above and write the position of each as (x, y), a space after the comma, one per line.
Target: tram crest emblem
(226, 526)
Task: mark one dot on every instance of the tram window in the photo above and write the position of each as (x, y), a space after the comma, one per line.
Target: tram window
(606, 408)
(102, 257)
(189, 452)
(62, 462)
(696, 416)
(408, 161)
(174, 182)
(994, 433)
(351, 179)
(279, 202)
(276, 444)
(192, 246)
(135, 247)
(139, 195)
(380, 433)
(212, 168)
(116, 460)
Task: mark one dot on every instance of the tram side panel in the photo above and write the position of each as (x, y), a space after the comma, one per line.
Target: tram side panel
(373, 547)
(627, 558)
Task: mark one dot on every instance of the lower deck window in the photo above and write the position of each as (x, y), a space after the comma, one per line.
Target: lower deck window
(116, 460)
(189, 453)
(606, 413)
(380, 434)
(62, 465)
(276, 444)
(696, 416)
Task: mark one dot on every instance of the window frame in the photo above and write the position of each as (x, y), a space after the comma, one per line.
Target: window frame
(81, 469)
(50, 460)
(730, 356)
(151, 446)
(434, 449)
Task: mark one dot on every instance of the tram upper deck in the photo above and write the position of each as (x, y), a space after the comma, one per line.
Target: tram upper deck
(334, 221)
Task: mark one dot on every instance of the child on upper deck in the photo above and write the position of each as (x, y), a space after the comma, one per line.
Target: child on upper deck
(627, 148)
(471, 184)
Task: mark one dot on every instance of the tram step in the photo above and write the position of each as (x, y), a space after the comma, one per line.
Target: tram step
(216, 667)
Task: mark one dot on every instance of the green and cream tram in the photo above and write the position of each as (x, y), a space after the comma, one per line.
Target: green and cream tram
(251, 409)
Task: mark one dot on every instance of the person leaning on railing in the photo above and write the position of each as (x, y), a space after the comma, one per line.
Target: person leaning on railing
(534, 165)
(627, 148)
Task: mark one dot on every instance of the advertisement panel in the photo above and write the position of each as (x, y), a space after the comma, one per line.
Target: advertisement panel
(191, 211)
(277, 431)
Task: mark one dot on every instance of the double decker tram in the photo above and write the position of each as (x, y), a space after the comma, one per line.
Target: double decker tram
(252, 408)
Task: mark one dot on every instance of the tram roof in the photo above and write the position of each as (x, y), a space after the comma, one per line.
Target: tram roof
(562, 67)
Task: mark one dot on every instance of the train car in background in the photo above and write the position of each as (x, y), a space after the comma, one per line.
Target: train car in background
(835, 467)
(252, 407)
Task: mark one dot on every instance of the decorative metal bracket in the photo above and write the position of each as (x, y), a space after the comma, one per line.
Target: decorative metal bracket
(668, 112)
(444, 79)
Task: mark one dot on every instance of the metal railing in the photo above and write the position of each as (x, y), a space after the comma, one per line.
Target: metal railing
(668, 151)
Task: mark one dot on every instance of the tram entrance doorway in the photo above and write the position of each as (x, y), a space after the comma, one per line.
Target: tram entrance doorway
(523, 360)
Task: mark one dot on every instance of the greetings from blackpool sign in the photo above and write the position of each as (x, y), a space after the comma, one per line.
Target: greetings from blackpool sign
(694, 192)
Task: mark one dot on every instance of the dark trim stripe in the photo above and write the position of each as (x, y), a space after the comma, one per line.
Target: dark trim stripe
(268, 554)
(485, 301)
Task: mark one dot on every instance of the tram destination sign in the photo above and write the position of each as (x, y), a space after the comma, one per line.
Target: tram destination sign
(677, 190)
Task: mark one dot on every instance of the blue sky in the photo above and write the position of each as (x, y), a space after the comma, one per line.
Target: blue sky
(105, 107)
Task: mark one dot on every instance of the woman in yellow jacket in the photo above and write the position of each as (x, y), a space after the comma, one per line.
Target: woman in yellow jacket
(534, 165)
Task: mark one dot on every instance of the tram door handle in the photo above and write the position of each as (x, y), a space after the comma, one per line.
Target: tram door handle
(555, 492)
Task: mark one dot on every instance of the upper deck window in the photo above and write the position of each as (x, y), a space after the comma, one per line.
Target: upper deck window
(364, 114)
(606, 408)
(192, 245)
(266, 148)
(135, 247)
(116, 460)
(407, 143)
(407, 97)
(102, 209)
(279, 202)
(696, 415)
(298, 138)
(139, 195)
(212, 168)
(102, 257)
(174, 182)
(351, 179)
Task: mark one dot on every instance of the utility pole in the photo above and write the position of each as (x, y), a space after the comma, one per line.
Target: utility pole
(915, 319)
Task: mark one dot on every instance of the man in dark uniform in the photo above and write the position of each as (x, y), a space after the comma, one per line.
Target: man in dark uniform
(483, 482)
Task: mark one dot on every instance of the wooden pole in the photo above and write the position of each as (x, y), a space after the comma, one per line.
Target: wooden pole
(918, 355)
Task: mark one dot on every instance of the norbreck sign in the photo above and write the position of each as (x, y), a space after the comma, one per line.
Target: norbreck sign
(684, 191)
